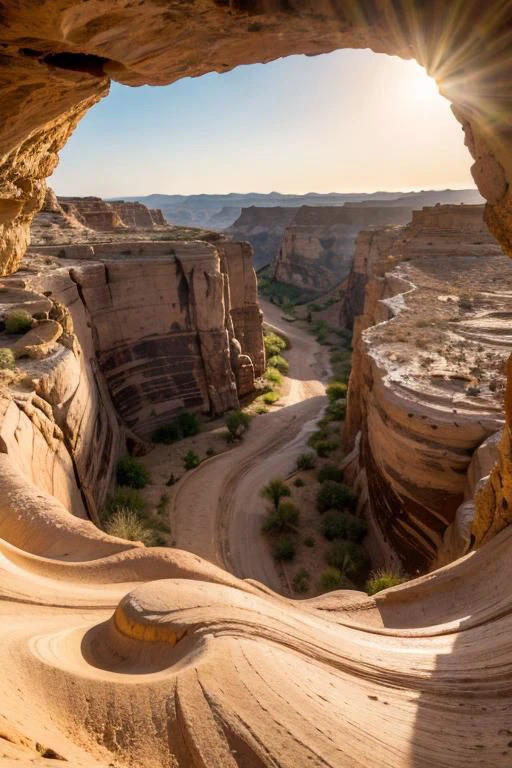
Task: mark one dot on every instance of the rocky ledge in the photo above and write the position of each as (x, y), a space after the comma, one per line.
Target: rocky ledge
(427, 382)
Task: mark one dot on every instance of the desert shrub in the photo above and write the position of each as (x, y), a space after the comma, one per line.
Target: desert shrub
(299, 482)
(274, 344)
(466, 302)
(316, 437)
(284, 518)
(187, 423)
(191, 460)
(305, 461)
(7, 359)
(382, 579)
(124, 498)
(273, 376)
(329, 472)
(309, 541)
(163, 503)
(132, 473)
(325, 447)
(333, 495)
(279, 362)
(336, 391)
(348, 557)
(336, 410)
(283, 549)
(168, 433)
(210, 452)
(126, 524)
(269, 398)
(18, 321)
(301, 581)
(331, 579)
(275, 490)
(236, 422)
(343, 525)
(320, 330)
(260, 409)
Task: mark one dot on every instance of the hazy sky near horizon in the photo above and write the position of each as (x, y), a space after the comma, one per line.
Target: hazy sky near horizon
(349, 121)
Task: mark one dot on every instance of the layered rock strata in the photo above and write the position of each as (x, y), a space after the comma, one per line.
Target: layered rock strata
(427, 379)
(317, 248)
(175, 325)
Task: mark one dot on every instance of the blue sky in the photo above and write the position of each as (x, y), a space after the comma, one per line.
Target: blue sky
(346, 121)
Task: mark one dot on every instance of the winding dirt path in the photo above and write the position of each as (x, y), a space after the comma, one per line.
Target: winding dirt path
(217, 512)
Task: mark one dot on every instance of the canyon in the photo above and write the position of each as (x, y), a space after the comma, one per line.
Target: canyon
(118, 654)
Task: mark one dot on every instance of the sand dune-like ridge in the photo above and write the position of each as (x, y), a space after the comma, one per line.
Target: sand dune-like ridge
(157, 657)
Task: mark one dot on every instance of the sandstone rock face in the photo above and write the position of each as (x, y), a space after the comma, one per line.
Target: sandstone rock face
(157, 217)
(424, 390)
(134, 215)
(317, 249)
(264, 229)
(163, 315)
(94, 212)
(57, 421)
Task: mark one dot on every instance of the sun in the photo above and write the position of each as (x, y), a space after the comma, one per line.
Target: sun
(420, 86)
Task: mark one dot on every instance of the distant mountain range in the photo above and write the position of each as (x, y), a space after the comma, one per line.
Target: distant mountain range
(221, 211)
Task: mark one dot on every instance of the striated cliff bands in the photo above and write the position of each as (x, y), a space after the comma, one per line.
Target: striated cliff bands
(426, 387)
(317, 248)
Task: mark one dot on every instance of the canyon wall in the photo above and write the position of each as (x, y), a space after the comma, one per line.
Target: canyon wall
(175, 324)
(431, 336)
(57, 422)
(263, 228)
(318, 246)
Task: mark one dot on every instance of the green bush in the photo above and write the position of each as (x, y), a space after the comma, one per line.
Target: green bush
(336, 411)
(283, 549)
(274, 344)
(279, 362)
(348, 557)
(301, 581)
(275, 490)
(126, 524)
(191, 460)
(343, 525)
(309, 541)
(331, 579)
(269, 398)
(336, 391)
(329, 472)
(210, 452)
(299, 482)
(187, 423)
(284, 518)
(325, 447)
(132, 473)
(382, 579)
(273, 376)
(163, 503)
(333, 495)
(18, 321)
(318, 436)
(124, 498)
(237, 423)
(167, 434)
(7, 359)
(305, 461)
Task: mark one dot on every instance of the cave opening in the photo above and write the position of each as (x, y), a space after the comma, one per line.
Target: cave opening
(430, 657)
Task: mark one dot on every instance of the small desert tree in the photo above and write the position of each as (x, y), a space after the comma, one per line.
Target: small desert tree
(274, 491)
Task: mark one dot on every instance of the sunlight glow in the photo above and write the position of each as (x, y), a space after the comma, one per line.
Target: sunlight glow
(419, 86)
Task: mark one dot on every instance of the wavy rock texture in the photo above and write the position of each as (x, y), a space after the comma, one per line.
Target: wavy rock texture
(426, 386)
